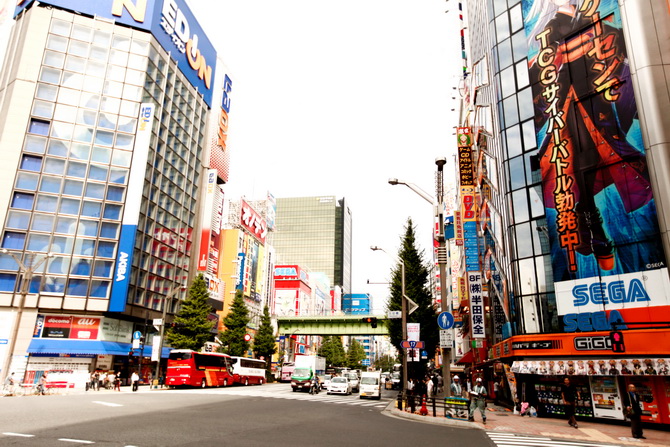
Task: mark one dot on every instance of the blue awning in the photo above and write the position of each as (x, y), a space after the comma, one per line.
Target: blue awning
(67, 346)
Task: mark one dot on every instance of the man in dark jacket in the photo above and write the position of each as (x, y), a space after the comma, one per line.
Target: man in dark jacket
(633, 406)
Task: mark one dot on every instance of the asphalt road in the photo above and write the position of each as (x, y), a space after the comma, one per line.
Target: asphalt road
(267, 415)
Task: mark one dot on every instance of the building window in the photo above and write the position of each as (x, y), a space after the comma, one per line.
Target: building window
(13, 240)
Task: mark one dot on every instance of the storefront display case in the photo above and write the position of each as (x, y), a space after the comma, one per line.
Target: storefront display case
(550, 402)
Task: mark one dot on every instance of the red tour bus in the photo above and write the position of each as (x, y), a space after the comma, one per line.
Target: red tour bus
(203, 369)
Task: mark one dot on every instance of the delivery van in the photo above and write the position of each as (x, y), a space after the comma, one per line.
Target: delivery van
(371, 385)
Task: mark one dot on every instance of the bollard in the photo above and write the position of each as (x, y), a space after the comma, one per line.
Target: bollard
(412, 404)
(434, 411)
(400, 401)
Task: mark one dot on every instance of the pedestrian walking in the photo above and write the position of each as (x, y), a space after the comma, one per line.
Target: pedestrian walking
(456, 387)
(633, 410)
(117, 381)
(570, 395)
(440, 383)
(9, 384)
(161, 380)
(135, 380)
(41, 384)
(478, 400)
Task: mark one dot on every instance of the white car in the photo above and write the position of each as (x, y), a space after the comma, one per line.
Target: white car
(353, 379)
(339, 385)
(325, 380)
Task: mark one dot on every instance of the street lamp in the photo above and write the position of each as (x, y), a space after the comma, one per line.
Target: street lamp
(27, 272)
(442, 252)
(403, 314)
(166, 300)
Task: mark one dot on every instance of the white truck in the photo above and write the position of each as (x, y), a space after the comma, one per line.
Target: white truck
(306, 367)
(371, 385)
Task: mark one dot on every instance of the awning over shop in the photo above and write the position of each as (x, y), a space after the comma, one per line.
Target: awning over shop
(594, 367)
(97, 347)
(467, 359)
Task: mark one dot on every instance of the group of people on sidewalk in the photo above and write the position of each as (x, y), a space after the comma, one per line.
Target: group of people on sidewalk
(477, 394)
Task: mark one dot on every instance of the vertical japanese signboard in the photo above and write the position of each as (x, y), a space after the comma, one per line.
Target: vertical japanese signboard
(477, 326)
(600, 211)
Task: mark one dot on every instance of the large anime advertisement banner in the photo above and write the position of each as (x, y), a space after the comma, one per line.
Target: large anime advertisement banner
(601, 214)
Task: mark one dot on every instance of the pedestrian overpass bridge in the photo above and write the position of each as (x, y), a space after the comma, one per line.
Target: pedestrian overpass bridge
(331, 325)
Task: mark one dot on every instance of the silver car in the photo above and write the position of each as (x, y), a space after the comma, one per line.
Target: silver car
(339, 385)
(353, 379)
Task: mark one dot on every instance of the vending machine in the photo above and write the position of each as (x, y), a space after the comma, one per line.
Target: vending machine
(605, 397)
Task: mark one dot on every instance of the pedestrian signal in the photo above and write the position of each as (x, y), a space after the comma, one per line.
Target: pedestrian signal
(616, 337)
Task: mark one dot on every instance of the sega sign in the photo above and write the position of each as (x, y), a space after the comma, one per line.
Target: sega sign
(171, 22)
(632, 290)
(592, 321)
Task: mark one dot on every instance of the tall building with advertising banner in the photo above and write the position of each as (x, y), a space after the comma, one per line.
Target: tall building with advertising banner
(563, 214)
(114, 118)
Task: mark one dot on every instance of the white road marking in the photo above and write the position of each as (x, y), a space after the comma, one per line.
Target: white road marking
(79, 441)
(22, 435)
(109, 404)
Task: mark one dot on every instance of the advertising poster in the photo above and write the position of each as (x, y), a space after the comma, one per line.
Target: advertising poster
(601, 214)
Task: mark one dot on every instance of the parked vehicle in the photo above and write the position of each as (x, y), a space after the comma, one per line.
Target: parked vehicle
(395, 380)
(287, 371)
(203, 369)
(248, 371)
(353, 379)
(306, 368)
(339, 385)
(371, 385)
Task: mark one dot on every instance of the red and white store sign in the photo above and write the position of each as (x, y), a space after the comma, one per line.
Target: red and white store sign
(253, 222)
(70, 326)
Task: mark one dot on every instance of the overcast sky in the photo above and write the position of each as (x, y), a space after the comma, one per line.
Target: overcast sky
(336, 97)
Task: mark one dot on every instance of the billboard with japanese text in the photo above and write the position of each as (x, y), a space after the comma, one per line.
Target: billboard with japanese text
(600, 210)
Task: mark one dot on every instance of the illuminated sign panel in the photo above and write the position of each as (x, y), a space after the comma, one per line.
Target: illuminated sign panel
(601, 214)
(169, 21)
(253, 222)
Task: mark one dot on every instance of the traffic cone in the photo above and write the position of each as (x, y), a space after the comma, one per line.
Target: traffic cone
(423, 411)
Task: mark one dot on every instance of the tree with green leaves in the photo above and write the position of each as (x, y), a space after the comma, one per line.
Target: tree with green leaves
(236, 328)
(416, 288)
(192, 324)
(333, 351)
(385, 363)
(355, 354)
(264, 342)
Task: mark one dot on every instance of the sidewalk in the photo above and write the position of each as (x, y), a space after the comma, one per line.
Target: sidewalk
(503, 420)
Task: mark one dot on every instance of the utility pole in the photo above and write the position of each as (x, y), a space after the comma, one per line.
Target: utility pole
(443, 261)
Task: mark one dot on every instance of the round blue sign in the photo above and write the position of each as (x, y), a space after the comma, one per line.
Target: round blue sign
(137, 335)
(445, 320)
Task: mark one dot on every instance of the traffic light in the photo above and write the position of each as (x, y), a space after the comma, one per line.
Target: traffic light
(372, 321)
(616, 337)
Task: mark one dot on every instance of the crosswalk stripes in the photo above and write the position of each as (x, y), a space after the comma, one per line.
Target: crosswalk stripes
(502, 439)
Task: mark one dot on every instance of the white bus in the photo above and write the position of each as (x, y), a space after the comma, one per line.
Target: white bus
(248, 371)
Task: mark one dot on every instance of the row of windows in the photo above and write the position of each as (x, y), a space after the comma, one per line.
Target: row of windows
(56, 284)
(45, 243)
(80, 133)
(98, 37)
(44, 203)
(55, 185)
(61, 224)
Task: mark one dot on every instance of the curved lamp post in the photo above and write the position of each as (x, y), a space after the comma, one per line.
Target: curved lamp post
(27, 272)
(403, 313)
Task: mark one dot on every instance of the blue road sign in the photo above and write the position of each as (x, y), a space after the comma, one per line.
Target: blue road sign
(137, 335)
(445, 320)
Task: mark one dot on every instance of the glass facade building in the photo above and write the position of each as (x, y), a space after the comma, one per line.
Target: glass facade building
(103, 137)
(315, 233)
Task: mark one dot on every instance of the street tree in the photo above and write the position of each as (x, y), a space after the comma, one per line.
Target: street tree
(264, 342)
(355, 354)
(416, 288)
(333, 351)
(385, 363)
(192, 324)
(233, 342)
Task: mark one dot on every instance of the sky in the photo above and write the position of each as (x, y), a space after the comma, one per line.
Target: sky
(335, 98)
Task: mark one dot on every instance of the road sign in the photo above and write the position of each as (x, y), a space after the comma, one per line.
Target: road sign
(445, 320)
(446, 338)
(365, 362)
(392, 314)
(412, 344)
(137, 335)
